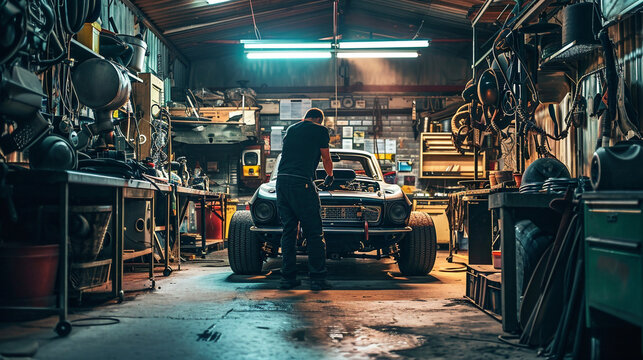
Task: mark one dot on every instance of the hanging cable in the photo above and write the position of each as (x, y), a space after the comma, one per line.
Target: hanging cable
(254, 22)
(417, 33)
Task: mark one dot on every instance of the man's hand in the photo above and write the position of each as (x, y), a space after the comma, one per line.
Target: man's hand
(328, 181)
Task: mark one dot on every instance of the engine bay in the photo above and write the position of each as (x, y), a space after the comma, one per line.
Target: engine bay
(362, 185)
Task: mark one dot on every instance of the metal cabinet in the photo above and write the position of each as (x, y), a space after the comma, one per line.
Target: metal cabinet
(614, 256)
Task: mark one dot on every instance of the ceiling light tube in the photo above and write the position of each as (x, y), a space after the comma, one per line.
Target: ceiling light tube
(384, 44)
(377, 54)
(212, 2)
(258, 44)
(288, 55)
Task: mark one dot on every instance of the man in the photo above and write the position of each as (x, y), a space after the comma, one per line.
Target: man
(297, 199)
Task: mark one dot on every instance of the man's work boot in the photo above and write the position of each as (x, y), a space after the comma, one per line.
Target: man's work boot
(287, 284)
(318, 285)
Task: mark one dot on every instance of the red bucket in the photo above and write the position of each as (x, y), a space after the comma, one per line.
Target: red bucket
(28, 274)
(497, 259)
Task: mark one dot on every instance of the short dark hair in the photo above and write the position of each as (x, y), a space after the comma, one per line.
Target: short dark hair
(315, 113)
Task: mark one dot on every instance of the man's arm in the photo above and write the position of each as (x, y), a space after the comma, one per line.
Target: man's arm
(327, 161)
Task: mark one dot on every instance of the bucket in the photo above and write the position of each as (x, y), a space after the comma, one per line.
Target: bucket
(139, 47)
(28, 274)
(497, 259)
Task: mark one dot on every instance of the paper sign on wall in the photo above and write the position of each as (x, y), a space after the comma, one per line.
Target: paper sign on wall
(276, 139)
(294, 109)
(368, 145)
(390, 147)
(347, 132)
(347, 144)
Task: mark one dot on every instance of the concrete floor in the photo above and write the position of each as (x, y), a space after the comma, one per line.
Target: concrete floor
(207, 312)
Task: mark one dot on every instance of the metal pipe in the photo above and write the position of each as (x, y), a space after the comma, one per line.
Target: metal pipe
(483, 9)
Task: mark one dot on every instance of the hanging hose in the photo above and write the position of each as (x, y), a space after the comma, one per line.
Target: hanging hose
(612, 85)
(73, 14)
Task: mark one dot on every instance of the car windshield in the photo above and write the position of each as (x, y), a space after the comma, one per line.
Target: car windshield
(362, 165)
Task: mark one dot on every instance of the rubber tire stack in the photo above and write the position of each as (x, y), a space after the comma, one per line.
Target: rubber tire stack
(418, 248)
(244, 249)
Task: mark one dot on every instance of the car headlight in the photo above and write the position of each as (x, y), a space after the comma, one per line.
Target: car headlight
(398, 212)
(263, 211)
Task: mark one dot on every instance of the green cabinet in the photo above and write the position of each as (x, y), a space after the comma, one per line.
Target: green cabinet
(614, 255)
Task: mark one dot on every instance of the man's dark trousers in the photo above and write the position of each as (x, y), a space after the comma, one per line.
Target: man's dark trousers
(298, 202)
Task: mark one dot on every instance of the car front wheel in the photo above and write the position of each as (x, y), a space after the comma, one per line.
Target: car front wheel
(244, 249)
(418, 248)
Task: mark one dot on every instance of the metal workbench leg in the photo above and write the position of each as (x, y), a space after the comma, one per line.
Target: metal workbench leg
(153, 233)
(63, 328)
(119, 214)
(509, 291)
(177, 224)
(203, 228)
(168, 205)
(224, 207)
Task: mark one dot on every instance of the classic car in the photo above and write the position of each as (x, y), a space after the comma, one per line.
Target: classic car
(362, 216)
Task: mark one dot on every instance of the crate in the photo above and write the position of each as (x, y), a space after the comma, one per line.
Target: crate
(494, 291)
(483, 287)
(90, 274)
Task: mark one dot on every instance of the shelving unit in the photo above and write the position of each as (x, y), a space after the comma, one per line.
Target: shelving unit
(570, 52)
(81, 53)
(439, 159)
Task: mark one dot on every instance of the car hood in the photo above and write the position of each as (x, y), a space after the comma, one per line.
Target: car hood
(387, 192)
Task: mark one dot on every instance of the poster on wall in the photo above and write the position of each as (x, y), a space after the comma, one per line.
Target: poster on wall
(358, 137)
(276, 140)
(294, 109)
(347, 132)
(266, 143)
(347, 144)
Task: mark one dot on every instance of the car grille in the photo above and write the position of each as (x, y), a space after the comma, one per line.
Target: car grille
(351, 213)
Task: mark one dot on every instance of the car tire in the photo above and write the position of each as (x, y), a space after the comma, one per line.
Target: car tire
(244, 249)
(418, 248)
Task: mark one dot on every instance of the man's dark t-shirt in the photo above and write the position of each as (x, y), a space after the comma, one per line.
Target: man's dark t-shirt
(300, 155)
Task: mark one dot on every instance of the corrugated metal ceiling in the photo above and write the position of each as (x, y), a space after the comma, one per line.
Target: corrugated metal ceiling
(197, 28)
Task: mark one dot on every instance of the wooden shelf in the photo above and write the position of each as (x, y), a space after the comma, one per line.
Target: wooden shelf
(128, 254)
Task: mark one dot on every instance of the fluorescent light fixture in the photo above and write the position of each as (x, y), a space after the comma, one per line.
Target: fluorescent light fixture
(384, 44)
(377, 54)
(288, 55)
(284, 44)
(212, 2)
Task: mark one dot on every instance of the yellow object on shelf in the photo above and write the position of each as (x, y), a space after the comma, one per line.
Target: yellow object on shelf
(89, 36)
(231, 208)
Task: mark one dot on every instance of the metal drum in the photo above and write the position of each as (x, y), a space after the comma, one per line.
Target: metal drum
(101, 84)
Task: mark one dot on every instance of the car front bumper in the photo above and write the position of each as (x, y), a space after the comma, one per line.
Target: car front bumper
(338, 230)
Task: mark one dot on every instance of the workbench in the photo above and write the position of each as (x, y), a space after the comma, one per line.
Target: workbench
(187, 195)
(64, 188)
(508, 208)
(468, 210)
